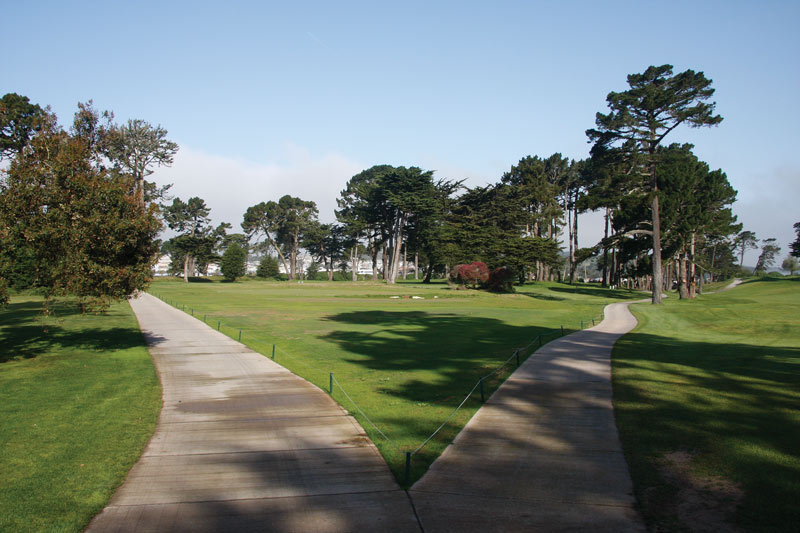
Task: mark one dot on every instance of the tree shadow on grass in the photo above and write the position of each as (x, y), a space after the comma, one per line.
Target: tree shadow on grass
(540, 296)
(733, 404)
(617, 294)
(27, 342)
(457, 349)
(27, 312)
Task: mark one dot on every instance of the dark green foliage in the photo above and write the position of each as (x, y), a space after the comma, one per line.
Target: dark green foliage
(268, 267)
(233, 263)
(284, 223)
(746, 240)
(795, 246)
(383, 204)
(19, 122)
(791, 264)
(638, 121)
(326, 243)
(312, 272)
(198, 242)
(769, 251)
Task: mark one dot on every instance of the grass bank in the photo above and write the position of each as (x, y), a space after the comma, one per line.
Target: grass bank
(707, 396)
(406, 354)
(79, 399)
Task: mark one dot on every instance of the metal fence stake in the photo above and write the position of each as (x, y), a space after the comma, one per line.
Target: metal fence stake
(330, 387)
(482, 397)
(517, 354)
(408, 466)
(273, 352)
(562, 331)
(240, 335)
(219, 324)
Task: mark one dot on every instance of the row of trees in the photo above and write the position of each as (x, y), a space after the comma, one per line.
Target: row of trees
(661, 205)
(660, 202)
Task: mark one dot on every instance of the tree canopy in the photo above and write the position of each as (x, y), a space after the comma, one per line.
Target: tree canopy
(72, 222)
(638, 121)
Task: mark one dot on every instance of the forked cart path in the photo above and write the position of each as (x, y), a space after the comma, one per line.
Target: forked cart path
(242, 444)
(543, 453)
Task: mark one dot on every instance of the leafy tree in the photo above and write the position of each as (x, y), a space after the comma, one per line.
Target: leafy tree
(284, 223)
(639, 120)
(268, 267)
(233, 263)
(135, 148)
(74, 221)
(536, 183)
(384, 202)
(191, 220)
(744, 241)
(795, 246)
(791, 264)
(325, 242)
(312, 271)
(430, 236)
(19, 122)
(769, 250)
(695, 204)
(298, 217)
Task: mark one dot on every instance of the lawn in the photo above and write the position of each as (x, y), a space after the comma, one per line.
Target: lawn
(406, 362)
(79, 399)
(707, 394)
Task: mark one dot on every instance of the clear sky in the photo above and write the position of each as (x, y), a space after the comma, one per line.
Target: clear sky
(274, 98)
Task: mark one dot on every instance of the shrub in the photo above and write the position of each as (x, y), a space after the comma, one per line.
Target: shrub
(268, 267)
(500, 280)
(474, 274)
(312, 271)
(233, 262)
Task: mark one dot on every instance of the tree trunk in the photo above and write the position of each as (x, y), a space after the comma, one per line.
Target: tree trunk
(429, 273)
(658, 276)
(394, 263)
(713, 257)
(373, 248)
(605, 251)
(354, 262)
(416, 265)
(138, 189)
(405, 261)
(683, 289)
(186, 268)
(692, 270)
(384, 261)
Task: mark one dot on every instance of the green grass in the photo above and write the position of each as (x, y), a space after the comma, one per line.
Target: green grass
(718, 378)
(406, 362)
(79, 399)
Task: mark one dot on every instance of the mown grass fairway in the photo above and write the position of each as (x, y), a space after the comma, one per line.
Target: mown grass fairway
(79, 399)
(707, 394)
(406, 362)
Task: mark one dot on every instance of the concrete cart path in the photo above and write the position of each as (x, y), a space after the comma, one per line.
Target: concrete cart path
(242, 444)
(543, 453)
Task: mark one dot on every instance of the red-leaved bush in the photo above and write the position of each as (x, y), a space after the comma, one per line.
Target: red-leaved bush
(473, 275)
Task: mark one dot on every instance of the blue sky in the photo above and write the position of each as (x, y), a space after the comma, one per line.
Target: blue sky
(273, 98)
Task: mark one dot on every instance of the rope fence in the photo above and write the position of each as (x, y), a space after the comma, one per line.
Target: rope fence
(279, 353)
